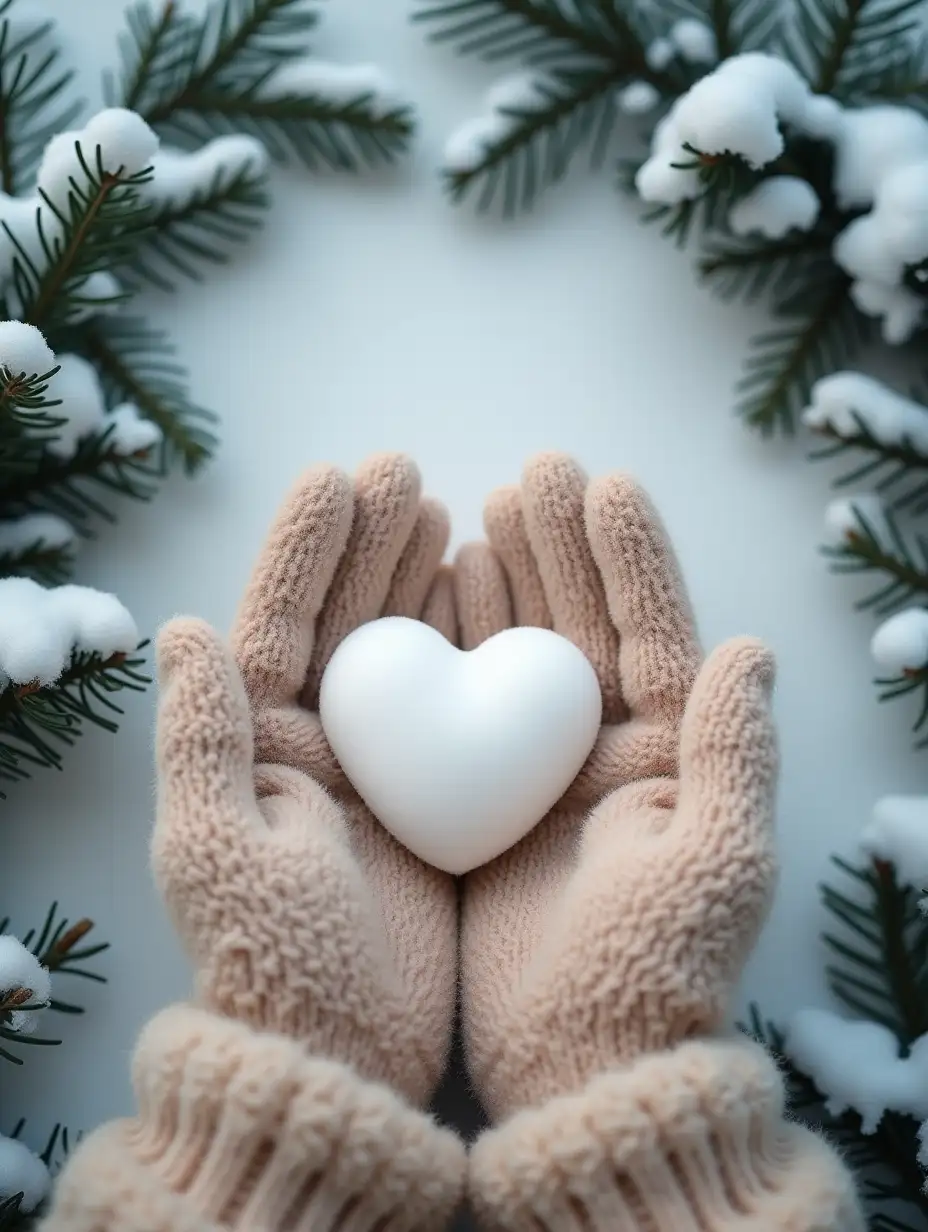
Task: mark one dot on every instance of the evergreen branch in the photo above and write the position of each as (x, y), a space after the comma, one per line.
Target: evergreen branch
(36, 720)
(180, 237)
(888, 1173)
(170, 58)
(198, 76)
(890, 992)
(576, 109)
(502, 29)
(886, 465)
(830, 37)
(884, 551)
(914, 681)
(899, 77)
(36, 479)
(32, 107)
(24, 403)
(821, 329)
(738, 25)
(316, 130)
(136, 364)
(49, 565)
(758, 267)
(93, 232)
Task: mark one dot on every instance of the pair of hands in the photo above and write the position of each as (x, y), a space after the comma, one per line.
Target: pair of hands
(617, 926)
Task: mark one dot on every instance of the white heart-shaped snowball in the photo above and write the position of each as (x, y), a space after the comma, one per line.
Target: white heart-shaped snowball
(459, 754)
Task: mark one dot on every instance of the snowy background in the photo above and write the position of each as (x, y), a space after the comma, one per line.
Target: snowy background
(371, 315)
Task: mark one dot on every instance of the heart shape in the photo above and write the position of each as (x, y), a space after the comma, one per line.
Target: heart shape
(459, 753)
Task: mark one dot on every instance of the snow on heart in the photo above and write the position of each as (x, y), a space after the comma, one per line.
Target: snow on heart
(459, 753)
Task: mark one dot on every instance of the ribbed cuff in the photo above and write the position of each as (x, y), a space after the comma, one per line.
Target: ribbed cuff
(242, 1131)
(692, 1140)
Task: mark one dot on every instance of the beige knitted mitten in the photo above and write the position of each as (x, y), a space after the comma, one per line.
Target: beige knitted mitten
(599, 954)
(325, 952)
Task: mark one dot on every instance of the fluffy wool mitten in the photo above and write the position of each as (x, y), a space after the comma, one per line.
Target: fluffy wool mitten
(599, 955)
(289, 1096)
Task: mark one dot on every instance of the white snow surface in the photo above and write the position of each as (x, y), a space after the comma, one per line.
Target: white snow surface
(131, 433)
(23, 349)
(126, 145)
(125, 142)
(738, 109)
(338, 84)
(180, 175)
(845, 400)
(468, 144)
(695, 41)
(779, 204)
(21, 1171)
(898, 832)
(659, 53)
(83, 410)
(900, 644)
(638, 98)
(82, 407)
(877, 247)
(881, 165)
(856, 1065)
(842, 522)
(39, 628)
(45, 529)
(19, 968)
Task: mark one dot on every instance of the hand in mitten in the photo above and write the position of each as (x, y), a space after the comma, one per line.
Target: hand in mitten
(325, 953)
(599, 955)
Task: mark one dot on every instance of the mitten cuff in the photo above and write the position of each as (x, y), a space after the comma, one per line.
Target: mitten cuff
(693, 1138)
(238, 1130)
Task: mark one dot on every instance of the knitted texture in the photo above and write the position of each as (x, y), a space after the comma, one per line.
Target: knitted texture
(617, 929)
(300, 912)
(691, 1140)
(243, 1132)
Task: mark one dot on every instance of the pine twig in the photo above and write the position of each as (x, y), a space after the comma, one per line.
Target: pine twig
(136, 364)
(32, 96)
(196, 77)
(890, 466)
(751, 268)
(181, 237)
(36, 720)
(821, 330)
(884, 551)
(92, 232)
(576, 110)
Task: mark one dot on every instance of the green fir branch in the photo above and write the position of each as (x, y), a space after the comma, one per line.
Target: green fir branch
(137, 364)
(889, 1178)
(180, 238)
(533, 30)
(48, 565)
(738, 25)
(830, 38)
(33, 95)
(756, 267)
(93, 231)
(912, 683)
(819, 330)
(196, 77)
(900, 76)
(35, 721)
(895, 469)
(880, 948)
(26, 406)
(31, 478)
(901, 565)
(576, 109)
